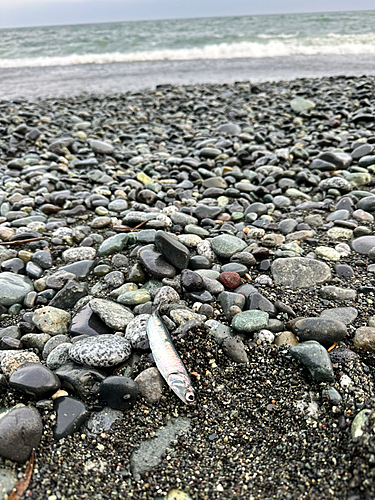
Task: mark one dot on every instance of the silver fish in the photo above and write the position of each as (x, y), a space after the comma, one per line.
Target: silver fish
(168, 361)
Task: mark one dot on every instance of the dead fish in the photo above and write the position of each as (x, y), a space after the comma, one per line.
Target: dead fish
(168, 361)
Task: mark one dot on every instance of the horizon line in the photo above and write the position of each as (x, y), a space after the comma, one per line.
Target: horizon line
(181, 19)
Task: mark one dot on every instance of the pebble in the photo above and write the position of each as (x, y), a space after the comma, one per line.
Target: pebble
(21, 430)
(316, 359)
(324, 331)
(364, 338)
(13, 288)
(100, 351)
(34, 379)
(70, 415)
(250, 321)
(150, 384)
(299, 272)
(52, 320)
(114, 315)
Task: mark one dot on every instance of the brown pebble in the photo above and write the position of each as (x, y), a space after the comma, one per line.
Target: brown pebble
(230, 280)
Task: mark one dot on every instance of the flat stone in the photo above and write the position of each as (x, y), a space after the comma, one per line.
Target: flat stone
(250, 321)
(299, 272)
(364, 338)
(114, 244)
(86, 322)
(80, 269)
(51, 320)
(100, 351)
(59, 356)
(173, 250)
(21, 430)
(69, 295)
(8, 480)
(13, 359)
(344, 314)
(324, 331)
(327, 253)
(234, 348)
(155, 264)
(35, 379)
(286, 338)
(79, 253)
(135, 297)
(14, 288)
(150, 384)
(101, 147)
(101, 421)
(361, 245)
(136, 332)
(337, 293)
(151, 452)
(227, 245)
(315, 358)
(298, 104)
(52, 343)
(70, 415)
(114, 315)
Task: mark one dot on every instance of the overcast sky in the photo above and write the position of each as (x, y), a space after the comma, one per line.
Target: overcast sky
(50, 12)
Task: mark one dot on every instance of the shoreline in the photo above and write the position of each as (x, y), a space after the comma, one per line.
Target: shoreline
(63, 81)
(224, 172)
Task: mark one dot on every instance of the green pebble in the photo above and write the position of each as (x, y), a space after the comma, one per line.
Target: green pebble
(134, 298)
(250, 321)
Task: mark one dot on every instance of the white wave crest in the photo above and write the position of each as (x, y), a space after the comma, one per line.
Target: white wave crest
(273, 48)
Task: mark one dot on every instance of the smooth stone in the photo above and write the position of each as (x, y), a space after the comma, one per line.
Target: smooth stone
(35, 340)
(51, 320)
(234, 348)
(155, 264)
(199, 262)
(203, 296)
(230, 280)
(86, 322)
(150, 384)
(114, 315)
(207, 212)
(235, 267)
(35, 379)
(340, 159)
(80, 269)
(135, 297)
(59, 356)
(33, 271)
(166, 295)
(151, 452)
(230, 299)
(10, 331)
(337, 293)
(119, 393)
(250, 321)
(84, 380)
(324, 331)
(146, 236)
(21, 430)
(364, 338)
(344, 271)
(361, 245)
(182, 316)
(79, 253)
(298, 104)
(299, 272)
(136, 332)
(315, 358)
(11, 360)
(69, 295)
(213, 286)
(114, 244)
(229, 129)
(181, 219)
(52, 343)
(191, 281)
(58, 279)
(43, 259)
(172, 250)
(327, 253)
(227, 245)
(367, 204)
(70, 415)
(332, 396)
(261, 303)
(101, 147)
(286, 338)
(344, 314)
(359, 423)
(100, 351)
(14, 288)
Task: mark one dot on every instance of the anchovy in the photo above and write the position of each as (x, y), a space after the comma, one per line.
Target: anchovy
(168, 361)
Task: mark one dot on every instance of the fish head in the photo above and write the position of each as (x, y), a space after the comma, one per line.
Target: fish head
(181, 386)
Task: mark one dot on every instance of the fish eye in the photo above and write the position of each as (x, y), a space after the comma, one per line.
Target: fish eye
(190, 397)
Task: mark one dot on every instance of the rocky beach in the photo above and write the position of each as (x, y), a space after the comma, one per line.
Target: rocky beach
(244, 214)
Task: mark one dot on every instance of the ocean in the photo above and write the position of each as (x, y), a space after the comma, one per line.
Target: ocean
(111, 57)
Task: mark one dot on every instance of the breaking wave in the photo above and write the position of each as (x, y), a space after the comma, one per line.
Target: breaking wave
(329, 44)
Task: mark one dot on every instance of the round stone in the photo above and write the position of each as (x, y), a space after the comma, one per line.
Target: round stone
(119, 393)
(250, 321)
(101, 351)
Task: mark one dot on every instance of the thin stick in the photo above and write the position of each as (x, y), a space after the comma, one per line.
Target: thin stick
(19, 242)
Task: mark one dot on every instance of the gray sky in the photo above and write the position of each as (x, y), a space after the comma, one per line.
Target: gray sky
(49, 12)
